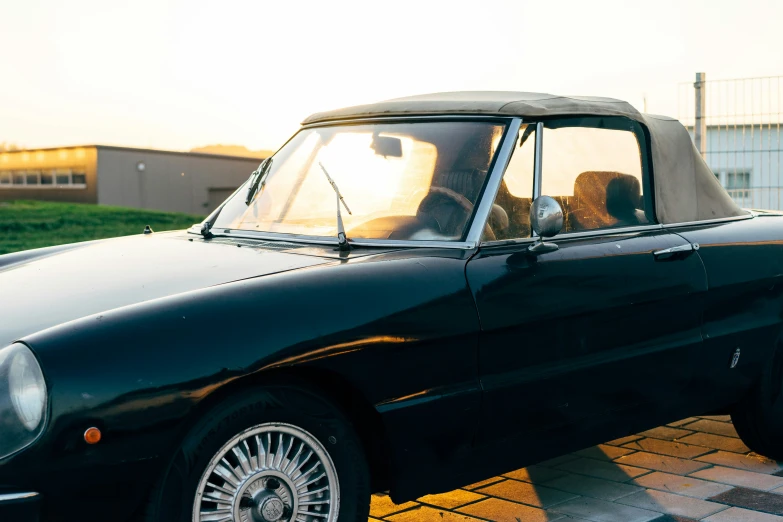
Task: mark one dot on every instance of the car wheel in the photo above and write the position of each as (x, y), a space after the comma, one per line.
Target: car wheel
(278, 454)
(758, 418)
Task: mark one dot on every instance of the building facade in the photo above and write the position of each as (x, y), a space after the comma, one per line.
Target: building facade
(747, 161)
(189, 182)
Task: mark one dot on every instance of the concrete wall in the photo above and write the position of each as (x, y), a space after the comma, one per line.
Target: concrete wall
(177, 182)
(50, 162)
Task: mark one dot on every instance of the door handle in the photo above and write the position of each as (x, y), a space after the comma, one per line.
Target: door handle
(666, 252)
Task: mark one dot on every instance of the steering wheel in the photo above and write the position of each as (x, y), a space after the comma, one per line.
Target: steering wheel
(463, 202)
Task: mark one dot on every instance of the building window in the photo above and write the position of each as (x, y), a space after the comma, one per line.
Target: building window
(31, 177)
(63, 177)
(78, 178)
(738, 184)
(59, 178)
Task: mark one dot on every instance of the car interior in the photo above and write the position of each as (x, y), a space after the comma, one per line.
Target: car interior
(600, 199)
(457, 180)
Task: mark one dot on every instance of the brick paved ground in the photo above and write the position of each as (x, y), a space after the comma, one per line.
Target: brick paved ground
(693, 469)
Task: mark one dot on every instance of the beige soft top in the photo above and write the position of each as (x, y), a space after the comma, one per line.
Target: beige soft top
(685, 187)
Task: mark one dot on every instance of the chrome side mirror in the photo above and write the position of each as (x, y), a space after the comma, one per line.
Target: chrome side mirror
(546, 220)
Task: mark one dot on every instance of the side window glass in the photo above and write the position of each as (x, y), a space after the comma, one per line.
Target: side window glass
(510, 214)
(596, 174)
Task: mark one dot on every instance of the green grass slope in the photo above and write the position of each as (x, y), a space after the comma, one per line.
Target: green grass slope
(34, 224)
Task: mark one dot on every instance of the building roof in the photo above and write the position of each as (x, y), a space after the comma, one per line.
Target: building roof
(136, 149)
(498, 103)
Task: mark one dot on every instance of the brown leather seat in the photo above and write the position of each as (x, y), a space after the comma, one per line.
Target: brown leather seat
(467, 182)
(605, 199)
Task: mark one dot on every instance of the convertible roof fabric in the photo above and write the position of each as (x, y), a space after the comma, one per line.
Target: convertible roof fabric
(685, 187)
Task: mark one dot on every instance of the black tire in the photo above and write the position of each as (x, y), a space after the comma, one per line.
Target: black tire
(172, 499)
(758, 418)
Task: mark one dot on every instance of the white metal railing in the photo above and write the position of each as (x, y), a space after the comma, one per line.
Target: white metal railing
(740, 134)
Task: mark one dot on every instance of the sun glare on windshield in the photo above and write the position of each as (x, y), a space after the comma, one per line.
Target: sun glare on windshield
(407, 181)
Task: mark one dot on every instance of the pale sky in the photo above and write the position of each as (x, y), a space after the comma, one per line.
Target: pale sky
(179, 74)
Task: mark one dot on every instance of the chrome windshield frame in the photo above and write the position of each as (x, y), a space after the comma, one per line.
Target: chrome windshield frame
(477, 222)
(495, 177)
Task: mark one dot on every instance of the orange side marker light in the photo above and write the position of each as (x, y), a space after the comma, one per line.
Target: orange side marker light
(92, 436)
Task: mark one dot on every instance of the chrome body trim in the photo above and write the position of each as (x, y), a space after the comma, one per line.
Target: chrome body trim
(412, 117)
(677, 249)
(538, 160)
(608, 231)
(617, 231)
(709, 221)
(332, 241)
(509, 242)
(10, 497)
(538, 163)
(577, 235)
(481, 215)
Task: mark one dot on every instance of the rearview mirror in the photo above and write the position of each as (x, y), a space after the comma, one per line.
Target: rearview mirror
(546, 220)
(387, 146)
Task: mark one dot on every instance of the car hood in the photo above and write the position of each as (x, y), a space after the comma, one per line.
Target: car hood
(47, 287)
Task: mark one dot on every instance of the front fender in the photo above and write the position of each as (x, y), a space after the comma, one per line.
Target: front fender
(402, 330)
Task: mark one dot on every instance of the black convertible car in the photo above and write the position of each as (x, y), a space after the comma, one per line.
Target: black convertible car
(408, 296)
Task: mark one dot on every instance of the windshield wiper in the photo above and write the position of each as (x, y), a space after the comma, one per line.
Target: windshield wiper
(259, 180)
(342, 241)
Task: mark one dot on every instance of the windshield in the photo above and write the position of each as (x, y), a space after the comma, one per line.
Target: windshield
(402, 181)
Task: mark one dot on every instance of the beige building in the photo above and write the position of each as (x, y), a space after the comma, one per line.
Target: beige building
(189, 182)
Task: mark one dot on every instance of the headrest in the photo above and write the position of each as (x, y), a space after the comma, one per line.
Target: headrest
(622, 197)
(593, 198)
(591, 186)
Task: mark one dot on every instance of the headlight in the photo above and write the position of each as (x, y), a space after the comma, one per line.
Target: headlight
(28, 389)
(22, 398)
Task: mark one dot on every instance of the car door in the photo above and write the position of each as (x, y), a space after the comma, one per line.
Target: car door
(601, 334)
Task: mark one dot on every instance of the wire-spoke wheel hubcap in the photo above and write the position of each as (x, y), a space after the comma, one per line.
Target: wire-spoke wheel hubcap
(269, 473)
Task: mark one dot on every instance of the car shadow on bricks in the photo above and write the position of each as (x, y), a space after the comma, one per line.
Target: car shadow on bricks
(694, 469)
